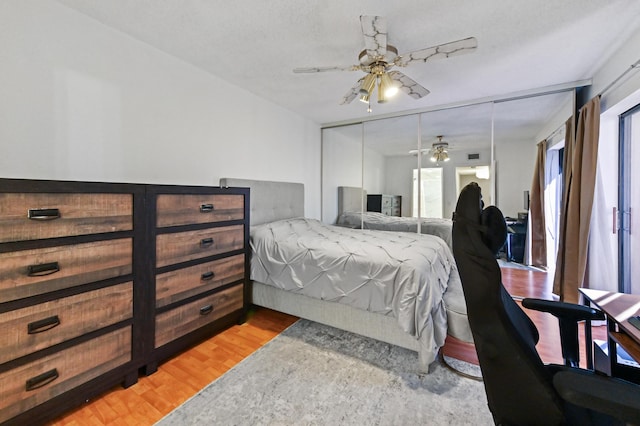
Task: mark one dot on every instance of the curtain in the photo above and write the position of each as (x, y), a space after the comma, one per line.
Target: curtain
(536, 210)
(579, 175)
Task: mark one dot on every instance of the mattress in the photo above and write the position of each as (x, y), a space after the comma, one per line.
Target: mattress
(407, 276)
(373, 220)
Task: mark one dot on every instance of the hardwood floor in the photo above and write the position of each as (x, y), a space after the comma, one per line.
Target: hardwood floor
(182, 376)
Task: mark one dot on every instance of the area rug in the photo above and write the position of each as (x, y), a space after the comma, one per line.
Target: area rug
(313, 374)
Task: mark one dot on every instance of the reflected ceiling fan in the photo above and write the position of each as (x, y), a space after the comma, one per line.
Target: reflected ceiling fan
(378, 58)
(438, 152)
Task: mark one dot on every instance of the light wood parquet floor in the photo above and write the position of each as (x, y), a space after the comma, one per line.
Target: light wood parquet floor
(184, 375)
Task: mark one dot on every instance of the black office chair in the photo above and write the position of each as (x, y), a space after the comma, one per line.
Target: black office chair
(520, 388)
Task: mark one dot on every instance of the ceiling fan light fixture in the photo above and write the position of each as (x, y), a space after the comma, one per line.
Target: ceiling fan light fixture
(368, 84)
(440, 153)
(387, 86)
(440, 156)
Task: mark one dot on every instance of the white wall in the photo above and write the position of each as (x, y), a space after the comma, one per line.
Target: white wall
(81, 101)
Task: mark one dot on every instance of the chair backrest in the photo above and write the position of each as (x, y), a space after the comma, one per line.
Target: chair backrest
(518, 385)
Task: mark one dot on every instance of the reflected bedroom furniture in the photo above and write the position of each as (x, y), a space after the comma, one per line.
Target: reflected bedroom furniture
(516, 237)
(350, 214)
(390, 205)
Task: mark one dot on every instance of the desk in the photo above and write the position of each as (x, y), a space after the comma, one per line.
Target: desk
(516, 237)
(618, 308)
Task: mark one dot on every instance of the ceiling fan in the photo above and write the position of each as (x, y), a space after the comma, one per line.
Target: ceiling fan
(439, 151)
(378, 58)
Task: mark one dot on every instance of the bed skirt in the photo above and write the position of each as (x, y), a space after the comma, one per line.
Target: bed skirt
(380, 327)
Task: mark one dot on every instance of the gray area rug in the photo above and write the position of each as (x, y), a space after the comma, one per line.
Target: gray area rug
(313, 374)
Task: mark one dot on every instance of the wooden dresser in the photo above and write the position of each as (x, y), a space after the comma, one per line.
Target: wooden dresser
(101, 280)
(200, 238)
(391, 205)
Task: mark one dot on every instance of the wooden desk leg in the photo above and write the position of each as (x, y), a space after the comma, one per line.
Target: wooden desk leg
(612, 348)
(588, 339)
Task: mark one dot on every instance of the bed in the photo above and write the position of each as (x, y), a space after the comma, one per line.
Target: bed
(351, 214)
(333, 275)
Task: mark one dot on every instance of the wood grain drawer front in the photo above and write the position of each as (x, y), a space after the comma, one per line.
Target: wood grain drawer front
(43, 215)
(184, 246)
(37, 327)
(179, 321)
(62, 371)
(182, 283)
(30, 272)
(179, 209)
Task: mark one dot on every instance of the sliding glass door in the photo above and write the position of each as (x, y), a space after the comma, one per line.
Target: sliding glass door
(628, 201)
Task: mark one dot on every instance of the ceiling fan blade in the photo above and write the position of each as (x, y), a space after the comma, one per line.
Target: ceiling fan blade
(408, 85)
(453, 48)
(352, 93)
(374, 30)
(325, 69)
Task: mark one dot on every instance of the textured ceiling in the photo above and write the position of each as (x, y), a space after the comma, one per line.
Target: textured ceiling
(255, 44)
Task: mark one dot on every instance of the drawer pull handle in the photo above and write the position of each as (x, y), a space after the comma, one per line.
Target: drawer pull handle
(41, 380)
(43, 269)
(43, 325)
(207, 276)
(206, 310)
(206, 208)
(43, 214)
(206, 242)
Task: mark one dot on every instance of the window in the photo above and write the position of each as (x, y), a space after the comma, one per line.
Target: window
(429, 185)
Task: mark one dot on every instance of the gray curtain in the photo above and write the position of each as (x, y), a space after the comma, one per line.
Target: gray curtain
(579, 176)
(536, 210)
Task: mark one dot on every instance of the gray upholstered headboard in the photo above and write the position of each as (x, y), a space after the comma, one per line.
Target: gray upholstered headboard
(350, 199)
(271, 201)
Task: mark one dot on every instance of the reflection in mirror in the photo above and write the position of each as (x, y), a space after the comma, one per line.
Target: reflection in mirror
(519, 125)
(341, 165)
(465, 133)
(390, 157)
(381, 157)
(429, 182)
(478, 174)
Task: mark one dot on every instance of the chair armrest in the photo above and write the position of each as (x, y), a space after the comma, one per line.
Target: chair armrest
(615, 397)
(569, 311)
(568, 314)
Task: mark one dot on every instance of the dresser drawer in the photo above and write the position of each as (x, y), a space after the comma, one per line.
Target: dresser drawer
(182, 283)
(45, 215)
(184, 246)
(30, 272)
(179, 321)
(32, 384)
(37, 327)
(179, 209)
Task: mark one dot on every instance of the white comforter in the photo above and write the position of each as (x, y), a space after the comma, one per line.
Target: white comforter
(400, 274)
